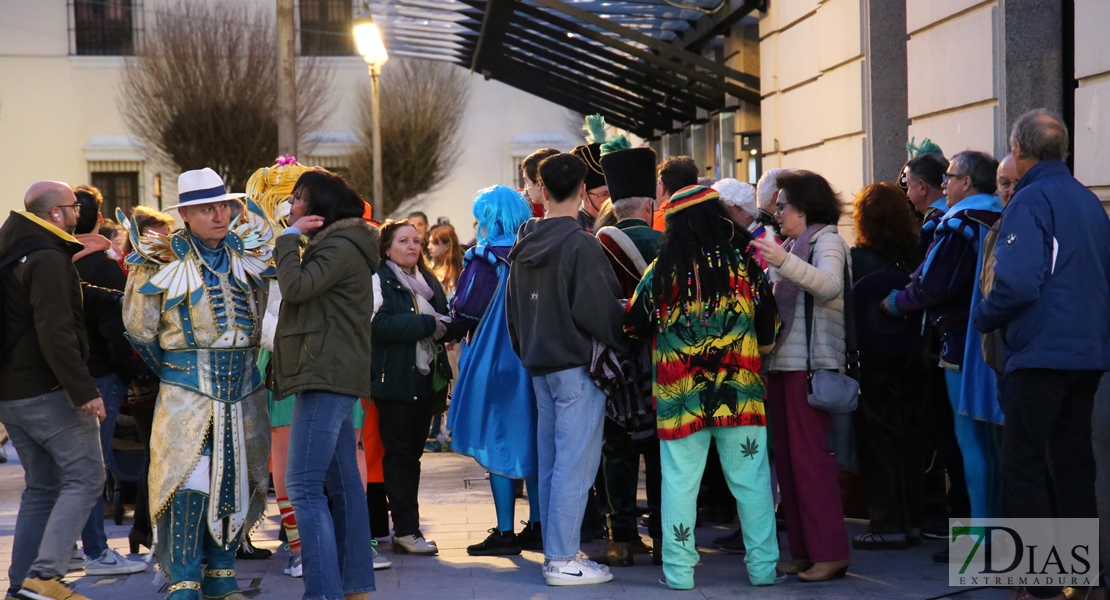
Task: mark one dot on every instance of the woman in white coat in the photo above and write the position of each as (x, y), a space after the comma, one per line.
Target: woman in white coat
(810, 262)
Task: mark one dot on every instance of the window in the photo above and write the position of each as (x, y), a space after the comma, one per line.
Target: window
(104, 27)
(120, 190)
(326, 28)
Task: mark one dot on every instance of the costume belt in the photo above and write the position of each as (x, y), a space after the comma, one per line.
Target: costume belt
(224, 374)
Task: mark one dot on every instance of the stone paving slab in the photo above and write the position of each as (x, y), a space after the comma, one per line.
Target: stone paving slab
(456, 516)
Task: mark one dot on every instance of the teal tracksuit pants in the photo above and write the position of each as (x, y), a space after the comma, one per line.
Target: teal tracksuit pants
(744, 460)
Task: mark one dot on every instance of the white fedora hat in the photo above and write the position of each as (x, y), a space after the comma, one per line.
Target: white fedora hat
(201, 186)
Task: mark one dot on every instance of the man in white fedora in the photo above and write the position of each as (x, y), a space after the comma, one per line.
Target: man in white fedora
(193, 310)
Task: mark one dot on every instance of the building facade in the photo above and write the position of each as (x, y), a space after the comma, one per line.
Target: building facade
(60, 70)
(846, 83)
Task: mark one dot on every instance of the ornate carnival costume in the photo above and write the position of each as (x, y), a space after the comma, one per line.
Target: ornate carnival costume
(194, 314)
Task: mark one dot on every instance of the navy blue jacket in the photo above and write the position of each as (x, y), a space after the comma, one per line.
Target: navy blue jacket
(1052, 275)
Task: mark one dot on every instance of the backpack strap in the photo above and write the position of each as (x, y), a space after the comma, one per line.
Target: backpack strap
(851, 349)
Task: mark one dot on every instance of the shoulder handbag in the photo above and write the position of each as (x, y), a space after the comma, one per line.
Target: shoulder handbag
(831, 391)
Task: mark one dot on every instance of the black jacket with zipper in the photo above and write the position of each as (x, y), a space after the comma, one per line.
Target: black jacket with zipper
(43, 319)
(397, 327)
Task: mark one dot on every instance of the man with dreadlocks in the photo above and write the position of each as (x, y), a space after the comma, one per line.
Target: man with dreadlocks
(696, 305)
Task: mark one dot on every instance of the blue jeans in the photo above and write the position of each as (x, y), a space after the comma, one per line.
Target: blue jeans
(112, 390)
(335, 548)
(568, 431)
(63, 473)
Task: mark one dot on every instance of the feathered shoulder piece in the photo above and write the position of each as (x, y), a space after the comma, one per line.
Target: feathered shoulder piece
(595, 129)
(250, 246)
(151, 248)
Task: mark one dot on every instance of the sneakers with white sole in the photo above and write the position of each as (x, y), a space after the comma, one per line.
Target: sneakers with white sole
(293, 568)
(573, 572)
(381, 561)
(113, 563)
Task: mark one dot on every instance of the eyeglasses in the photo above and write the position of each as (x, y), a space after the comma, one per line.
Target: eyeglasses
(948, 176)
(780, 207)
(76, 207)
(602, 195)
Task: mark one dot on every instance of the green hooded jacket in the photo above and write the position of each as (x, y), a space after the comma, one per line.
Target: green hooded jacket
(322, 342)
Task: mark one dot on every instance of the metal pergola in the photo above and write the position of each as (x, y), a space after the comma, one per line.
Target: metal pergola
(636, 62)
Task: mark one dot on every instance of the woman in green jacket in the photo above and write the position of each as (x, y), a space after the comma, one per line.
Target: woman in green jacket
(327, 295)
(410, 373)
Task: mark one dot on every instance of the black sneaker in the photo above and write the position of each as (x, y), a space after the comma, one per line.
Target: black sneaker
(732, 543)
(499, 543)
(531, 537)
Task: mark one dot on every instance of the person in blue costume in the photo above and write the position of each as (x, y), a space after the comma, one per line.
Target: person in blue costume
(493, 409)
(191, 309)
(946, 287)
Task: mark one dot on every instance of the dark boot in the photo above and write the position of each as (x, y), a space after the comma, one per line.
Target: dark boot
(188, 509)
(615, 554)
(531, 537)
(499, 543)
(219, 578)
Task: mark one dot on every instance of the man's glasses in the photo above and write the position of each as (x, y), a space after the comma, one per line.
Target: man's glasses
(76, 207)
(945, 178)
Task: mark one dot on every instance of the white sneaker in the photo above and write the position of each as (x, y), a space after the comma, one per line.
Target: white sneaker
(293, 569)
(573, 572)
(380, 560)
(112, 563)
(584, 559)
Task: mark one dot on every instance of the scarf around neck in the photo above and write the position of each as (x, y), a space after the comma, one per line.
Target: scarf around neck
(414, 282)
(786, 291)
(422, 295)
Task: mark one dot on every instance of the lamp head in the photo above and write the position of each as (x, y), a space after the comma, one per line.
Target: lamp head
(369, 40)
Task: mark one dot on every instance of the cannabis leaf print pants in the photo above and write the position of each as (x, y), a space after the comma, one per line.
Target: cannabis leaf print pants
(744, 460)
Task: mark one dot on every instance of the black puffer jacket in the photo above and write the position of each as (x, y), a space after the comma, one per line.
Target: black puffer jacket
(43, 320)
(396, 329)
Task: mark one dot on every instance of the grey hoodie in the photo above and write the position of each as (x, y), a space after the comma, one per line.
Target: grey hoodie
(562, 295)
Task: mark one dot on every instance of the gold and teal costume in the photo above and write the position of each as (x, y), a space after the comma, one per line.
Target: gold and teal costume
(194, 314)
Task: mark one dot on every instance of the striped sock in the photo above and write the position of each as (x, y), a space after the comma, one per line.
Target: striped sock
(289, 524)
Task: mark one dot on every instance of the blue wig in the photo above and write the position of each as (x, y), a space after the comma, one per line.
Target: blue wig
(500, 211)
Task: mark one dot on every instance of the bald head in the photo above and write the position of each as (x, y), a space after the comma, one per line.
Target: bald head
(1006, 178)
(43, 196)
(54, 202)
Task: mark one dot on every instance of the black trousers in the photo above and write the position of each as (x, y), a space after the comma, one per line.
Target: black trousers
(942, 426)
(890, 440)
(620, 460)
(1048, 436)
(403, 427)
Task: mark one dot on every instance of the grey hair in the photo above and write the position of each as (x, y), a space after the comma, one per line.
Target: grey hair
(626, 208)
(1041, 136)
(980, 166)
(766, 188)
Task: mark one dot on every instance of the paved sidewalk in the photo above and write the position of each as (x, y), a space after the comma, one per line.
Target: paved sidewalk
(456, 516)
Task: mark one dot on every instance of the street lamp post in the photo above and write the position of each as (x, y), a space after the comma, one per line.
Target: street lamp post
(370, 46)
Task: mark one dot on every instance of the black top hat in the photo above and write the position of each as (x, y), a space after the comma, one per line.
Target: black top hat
(591, 155)
(630, 173)
(878, 332)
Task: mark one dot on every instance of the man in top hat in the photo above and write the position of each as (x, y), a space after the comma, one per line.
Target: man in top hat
(596, 191)
(631, 245)
(193, 309)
